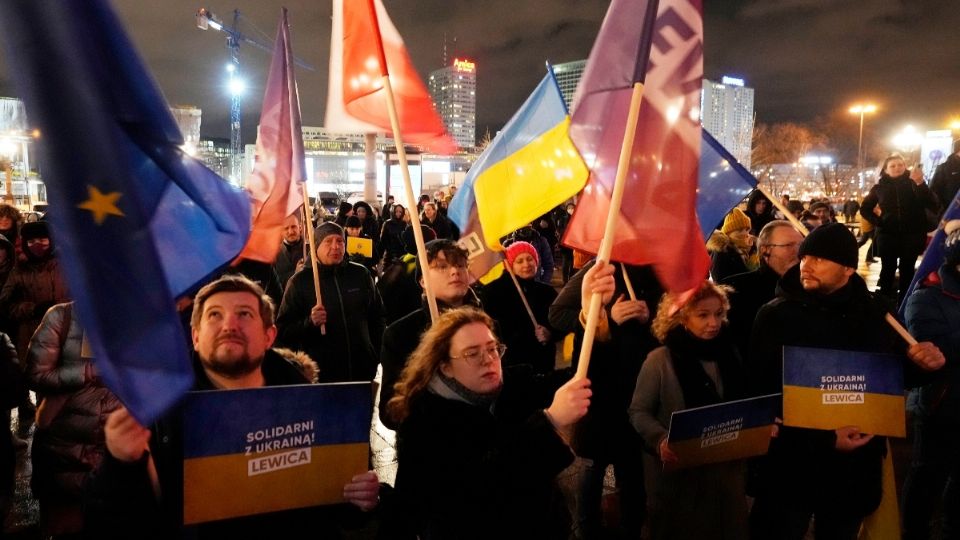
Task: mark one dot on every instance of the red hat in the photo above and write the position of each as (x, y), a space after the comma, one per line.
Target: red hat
(515, 249)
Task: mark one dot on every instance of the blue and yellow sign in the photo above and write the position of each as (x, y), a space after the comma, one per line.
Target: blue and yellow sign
(267, 449)
(829, 389)
(723, 432)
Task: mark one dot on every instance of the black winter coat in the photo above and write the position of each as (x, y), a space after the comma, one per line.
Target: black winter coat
(286, 264)
(803, 463)
(946, 181)
(902, 224)
(751, 290)
(349, 349)
(499, 465)
(502, 302)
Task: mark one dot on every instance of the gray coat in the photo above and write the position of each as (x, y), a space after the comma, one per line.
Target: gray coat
(701, 502)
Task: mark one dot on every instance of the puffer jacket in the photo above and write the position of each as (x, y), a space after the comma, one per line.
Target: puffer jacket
(32, 288)
(903, 204)
(933, 314)
(70, 444)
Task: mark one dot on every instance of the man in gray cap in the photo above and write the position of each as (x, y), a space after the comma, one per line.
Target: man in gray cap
(342, 332)
(832, 475)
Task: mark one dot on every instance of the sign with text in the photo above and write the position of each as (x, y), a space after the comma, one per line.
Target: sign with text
(723, 432)
(363, 246)
(268, 449)
(829, 389)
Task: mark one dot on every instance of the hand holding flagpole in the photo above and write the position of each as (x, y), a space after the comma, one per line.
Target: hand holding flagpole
(313, 252)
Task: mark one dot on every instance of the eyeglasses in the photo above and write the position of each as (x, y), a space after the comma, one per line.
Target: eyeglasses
(790, 245)
(475, 357)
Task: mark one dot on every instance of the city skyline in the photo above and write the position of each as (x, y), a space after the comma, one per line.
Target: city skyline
(803, 58)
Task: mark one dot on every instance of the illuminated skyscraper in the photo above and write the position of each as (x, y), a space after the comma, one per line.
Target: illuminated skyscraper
(454, 92)
(726, 111)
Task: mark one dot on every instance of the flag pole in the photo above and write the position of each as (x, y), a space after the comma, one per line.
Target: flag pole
(414, 217)
(313, 251)
(891, 320)
(606, 246)
(627, 282)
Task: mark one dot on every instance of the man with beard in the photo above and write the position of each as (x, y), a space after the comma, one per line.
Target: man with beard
(291, 250)
(832, 475)
(138, 489)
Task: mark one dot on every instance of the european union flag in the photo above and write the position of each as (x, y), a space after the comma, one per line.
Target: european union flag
(137, 221)
(933, 258)
(722, 183)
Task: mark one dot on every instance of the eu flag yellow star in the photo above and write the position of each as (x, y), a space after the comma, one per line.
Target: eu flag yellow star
(101, 204)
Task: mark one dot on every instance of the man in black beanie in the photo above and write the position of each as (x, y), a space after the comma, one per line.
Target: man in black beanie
(835, 475)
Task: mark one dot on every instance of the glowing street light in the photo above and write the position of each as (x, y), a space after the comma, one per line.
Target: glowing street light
(862, 109)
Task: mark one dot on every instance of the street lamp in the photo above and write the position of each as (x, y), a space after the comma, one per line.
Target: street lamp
(861, 109)
(908, 140)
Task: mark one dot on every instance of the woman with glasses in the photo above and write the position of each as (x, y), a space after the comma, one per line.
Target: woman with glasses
(477, 452)
(697, 366)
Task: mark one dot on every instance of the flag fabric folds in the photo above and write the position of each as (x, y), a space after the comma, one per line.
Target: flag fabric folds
(722, 185)
(135, 219)
(657, 223)
(933, 258)
(278, 174)
(365, 46)
(530, 167)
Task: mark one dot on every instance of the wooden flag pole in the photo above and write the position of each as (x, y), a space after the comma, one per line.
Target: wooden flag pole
(313, 251)
(523, 297)
(786, 213)
(606, 246)
(414, 217)
(891, 320)
(629, 284)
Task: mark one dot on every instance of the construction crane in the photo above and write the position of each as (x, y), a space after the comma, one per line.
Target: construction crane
(206, 20)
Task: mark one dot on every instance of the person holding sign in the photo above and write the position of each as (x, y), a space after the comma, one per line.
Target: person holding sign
(697, 366)
(360, 246)
(138, 490)
(834, 476)
(460, 413)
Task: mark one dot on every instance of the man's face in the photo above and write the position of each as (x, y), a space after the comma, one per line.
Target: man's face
(449, 281)
(330, 250)
(823, 213)
(230, 337)
(781, 253)
(823, 276)
(760, 206)
(291, 229)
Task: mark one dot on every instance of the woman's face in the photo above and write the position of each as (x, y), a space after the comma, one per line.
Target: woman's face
(760, 206)
(704, 319)
(474, 361)
(895, 167)
(525, 266)
(5, 223)
(361, 213)
(398, 212)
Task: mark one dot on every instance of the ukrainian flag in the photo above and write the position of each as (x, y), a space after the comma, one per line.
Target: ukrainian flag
(529, 168)
(829, 389)
(263, 450)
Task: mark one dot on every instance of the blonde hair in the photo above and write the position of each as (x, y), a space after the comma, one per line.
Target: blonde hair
(429, 356)
(669, 316)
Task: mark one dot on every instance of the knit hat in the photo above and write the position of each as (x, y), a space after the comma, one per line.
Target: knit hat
(34, 229)
(833, 242)
(951, 244)
(819, 204)
(515, 249)
(353, 221)
(735, 221)
(326, 229)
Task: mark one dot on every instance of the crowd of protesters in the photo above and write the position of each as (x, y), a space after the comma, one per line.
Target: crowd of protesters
(495, 438)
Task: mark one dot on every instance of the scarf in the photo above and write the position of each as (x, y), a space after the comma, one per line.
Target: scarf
(450, 388)
(687, 352)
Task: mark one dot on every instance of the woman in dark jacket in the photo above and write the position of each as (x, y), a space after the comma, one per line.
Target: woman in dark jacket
(901, 227)
(69, 442)
(391, 235)
(760, 212)
(528, 343)
(477, 458)
(697, 366)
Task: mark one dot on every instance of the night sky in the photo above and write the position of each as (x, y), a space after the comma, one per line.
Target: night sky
(805, 58)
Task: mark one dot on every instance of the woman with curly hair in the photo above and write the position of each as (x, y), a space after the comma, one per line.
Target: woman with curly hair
(477, 452)
(697, 365)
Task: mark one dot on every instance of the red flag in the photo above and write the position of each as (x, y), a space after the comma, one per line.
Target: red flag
(657, 223)
(365, 46)
(277, 179)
